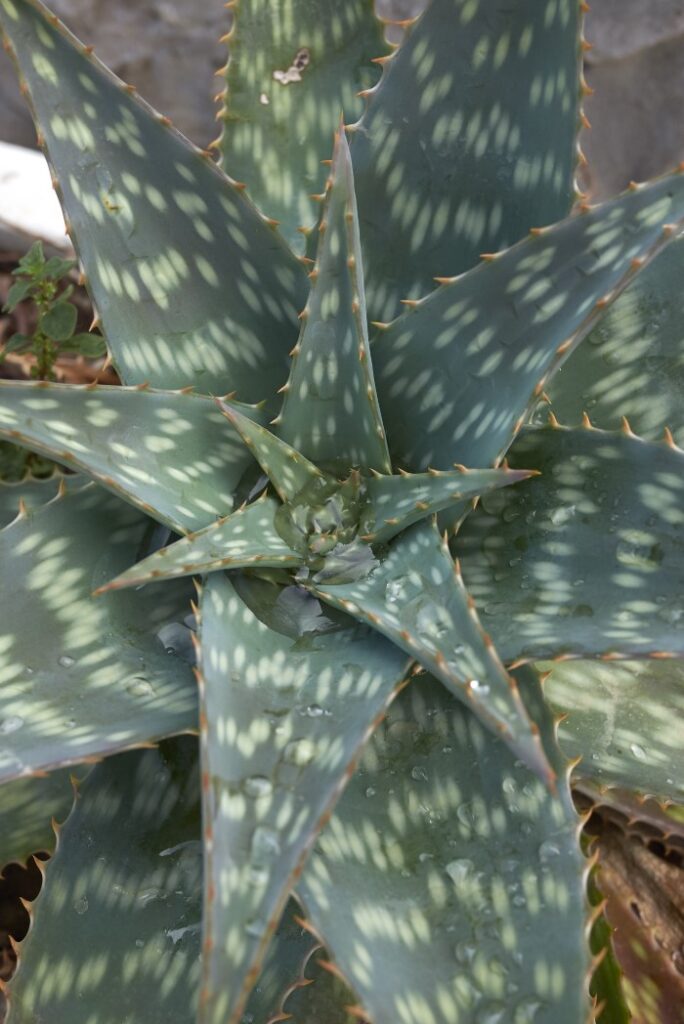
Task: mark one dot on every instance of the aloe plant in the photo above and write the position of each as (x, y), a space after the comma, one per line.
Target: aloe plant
(327, 783)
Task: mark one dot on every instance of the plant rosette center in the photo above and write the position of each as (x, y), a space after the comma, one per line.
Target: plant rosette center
(325, 522)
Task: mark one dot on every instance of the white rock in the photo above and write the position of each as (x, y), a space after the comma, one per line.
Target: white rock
(29, 207)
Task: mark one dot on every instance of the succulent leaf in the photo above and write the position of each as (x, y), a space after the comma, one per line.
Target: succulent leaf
(471, 358)
(31, 492)
(245, 538)
(292, 69)
(288, 697)
(416, 598)
(624, 720)
(446, 858)
(324, 996)
(287, 469)
(27, 808)
(117, 925)
(399, 501)
(284, 968)
(190, 282)
(167, 452)
(631, 363)
(330, 410)
(606, 982)
(83, 677)
(587, 559)
(468, 140)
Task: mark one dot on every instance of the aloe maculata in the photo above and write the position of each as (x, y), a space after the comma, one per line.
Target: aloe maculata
(378, 804)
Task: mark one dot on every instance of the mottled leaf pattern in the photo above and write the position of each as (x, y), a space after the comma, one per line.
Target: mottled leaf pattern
(415, 597)
(467, 142)
(32, 491)
(116, 930)
(400, 501)
(624, 720)
(330, 411)
(446, 881)
(289, 695)
(470, 358)
(446, 859)
(247, 537)
(83, 676)
(586, 559)
(27, 807)
(292, 69)
(632, 363)
(171, 454)
(287, 469)
(190, 282)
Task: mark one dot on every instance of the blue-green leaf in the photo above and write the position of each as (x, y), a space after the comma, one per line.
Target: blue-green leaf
(472, 358)
(245, 538)
(81, 676)
(587, 559)
(287, 469)
(27, 808)
(289, 694)
(191, 284)
(399, 501)
(448, 885)
(292, 69)
(416, 598)
(468, 141)
(32, 492)
(624, 720)
(169, 453)
(632, 363)
(116, 930)
(330, 411)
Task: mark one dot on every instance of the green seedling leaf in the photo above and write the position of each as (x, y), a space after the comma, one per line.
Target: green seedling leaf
(27, 808)
(467, 143)
(33, 492)
(287, 469)
(289, 694)
(117, 925)
(446, 858)
(416, 598)
(32, 262)
(83, 676)
(330, 411)
(56, 268)
(17, 343)
(400, 501)
(246, 538)
(170, 453)
(191, 284)
(19, 291)
(624, 720)
(632, 363)
(91, 346)
(586, 559)
(292, 69)
(472, 359)
(59, 322)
